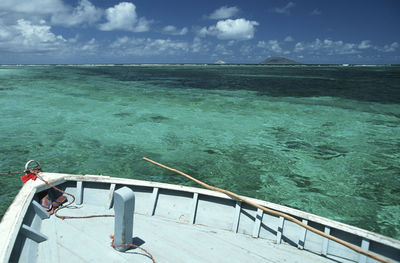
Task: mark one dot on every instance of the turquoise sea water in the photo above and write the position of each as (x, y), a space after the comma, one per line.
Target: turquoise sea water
(321, 139)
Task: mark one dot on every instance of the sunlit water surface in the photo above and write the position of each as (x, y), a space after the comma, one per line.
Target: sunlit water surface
(321, 139)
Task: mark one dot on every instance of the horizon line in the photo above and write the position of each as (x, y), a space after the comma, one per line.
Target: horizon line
(197, 64)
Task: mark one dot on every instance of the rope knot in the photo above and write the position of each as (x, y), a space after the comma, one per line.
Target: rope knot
(31, 173)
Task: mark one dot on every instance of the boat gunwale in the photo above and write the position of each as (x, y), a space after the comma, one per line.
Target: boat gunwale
(9, 227)
(12, 219)
(285, 209)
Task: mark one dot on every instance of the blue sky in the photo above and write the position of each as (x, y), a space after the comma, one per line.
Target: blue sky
(179, 31)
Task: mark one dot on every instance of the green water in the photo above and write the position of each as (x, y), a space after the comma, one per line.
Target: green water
(321, 139)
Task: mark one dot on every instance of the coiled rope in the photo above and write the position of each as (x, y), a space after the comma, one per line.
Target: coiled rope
(89, 216)
(68, 204)
(132, 246)
(273, 212)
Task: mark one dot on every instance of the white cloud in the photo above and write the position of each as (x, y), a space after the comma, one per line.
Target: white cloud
(334, 47)
(196, 45)
(4, 33)
(224, 12)
(33, 6)
(339, 47)
(388, 47)
(172, 30)
(299, 47)
(272, 46)
(199, 45)
(327, 47)
(147, 46)
(31, 32)
(121, 41)
(246, 49)
(221, 49)
(238, 29)
(123, 17)
(288, 39)
(128, 46)
(27, 37)
(316, 12)
(90, 47)
(84, 13)
(365, 44)
(73, 39)
(54, 10)
(286, 9)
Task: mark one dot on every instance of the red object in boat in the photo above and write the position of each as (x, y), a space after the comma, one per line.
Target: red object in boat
(25, 178)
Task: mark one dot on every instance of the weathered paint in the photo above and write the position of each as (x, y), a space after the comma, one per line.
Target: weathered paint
(176, 204)
(124, 208)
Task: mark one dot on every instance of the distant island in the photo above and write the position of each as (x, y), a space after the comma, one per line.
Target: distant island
(220, 62)
(279, 61)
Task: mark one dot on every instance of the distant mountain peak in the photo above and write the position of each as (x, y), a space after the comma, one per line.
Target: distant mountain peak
(279, 61)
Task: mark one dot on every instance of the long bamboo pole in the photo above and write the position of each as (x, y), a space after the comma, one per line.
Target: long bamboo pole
(273, 212)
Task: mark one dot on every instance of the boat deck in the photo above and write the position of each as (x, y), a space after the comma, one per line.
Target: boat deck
(88, 240)
(174, 224)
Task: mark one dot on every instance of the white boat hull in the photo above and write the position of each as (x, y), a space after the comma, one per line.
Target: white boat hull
(177, 224)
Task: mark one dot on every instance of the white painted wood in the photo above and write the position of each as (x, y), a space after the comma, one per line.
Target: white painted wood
(168, 241)
(111, 196)
(364, 246)
(32, 234)
(298, 213)
(79, 193)
(39, 210)
(257, 222)
(236, 217)
(153, 202)
(12, 219)
(14, 216)
(194, 208)
(42, 186)
(325, 243)
(57, 178)
(279, 229)
(123, 221)
(302, 237)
